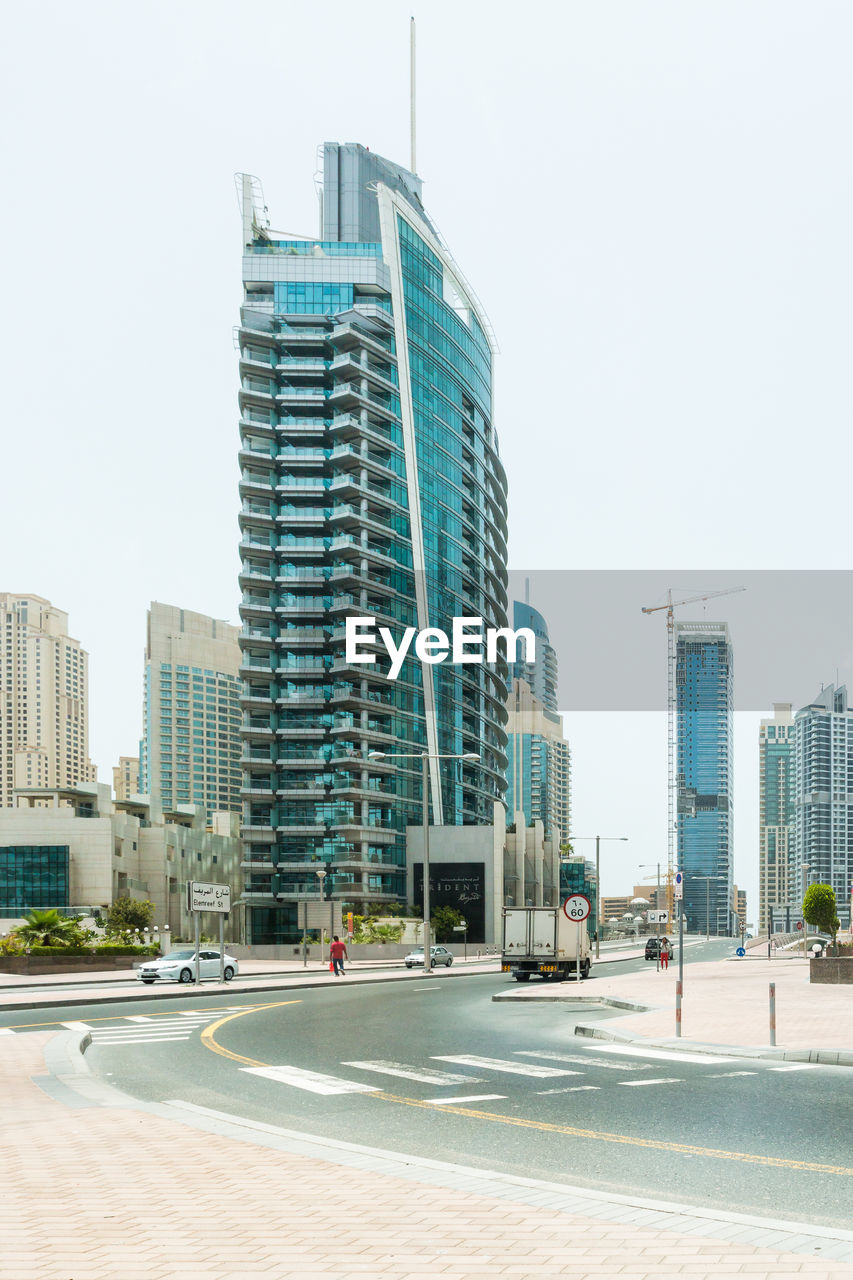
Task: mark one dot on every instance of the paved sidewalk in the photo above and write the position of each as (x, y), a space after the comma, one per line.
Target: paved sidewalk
(725, 1002)
(61, 989)
(112, 1192)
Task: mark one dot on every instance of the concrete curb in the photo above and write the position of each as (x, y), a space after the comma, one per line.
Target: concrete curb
(179, 992)
(77, 1087)
(826, 1057)
(521, 996)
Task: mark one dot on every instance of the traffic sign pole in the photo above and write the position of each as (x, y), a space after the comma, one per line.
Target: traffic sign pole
(577, 908)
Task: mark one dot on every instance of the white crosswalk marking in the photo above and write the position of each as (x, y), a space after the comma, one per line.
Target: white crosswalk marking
(76, 1026)
(501, 1064)
(313, 1081)
(474, 1097)
(143, 1040)
(726, 1075)
(572, 1088)
(586, 1062)
(6, 1031)
(797, 1066)
(636, 1084)
(427, 1075)
(664, 1055)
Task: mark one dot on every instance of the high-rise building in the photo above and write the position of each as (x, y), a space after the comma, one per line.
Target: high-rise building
(371, 486)
(190, 749)
(126, 777)
(541, 674)
(44, 713)
(823, 840)
(776, 810)
(704, 700)
(540, 769)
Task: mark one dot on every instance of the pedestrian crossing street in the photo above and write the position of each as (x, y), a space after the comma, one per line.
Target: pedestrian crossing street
(539, 1065)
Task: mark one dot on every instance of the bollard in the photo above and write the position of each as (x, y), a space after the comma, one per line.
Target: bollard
(773, 1013)
(678, 1007)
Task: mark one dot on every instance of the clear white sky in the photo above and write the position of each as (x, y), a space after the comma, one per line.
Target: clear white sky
(652, 198)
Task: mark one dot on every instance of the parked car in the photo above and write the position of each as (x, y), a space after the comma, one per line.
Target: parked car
(654, 946)
(437, 955)
(180, 966)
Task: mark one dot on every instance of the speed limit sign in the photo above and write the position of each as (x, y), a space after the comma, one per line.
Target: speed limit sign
(577, 907)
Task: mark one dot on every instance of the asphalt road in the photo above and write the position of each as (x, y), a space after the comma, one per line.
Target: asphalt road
(435, 1068)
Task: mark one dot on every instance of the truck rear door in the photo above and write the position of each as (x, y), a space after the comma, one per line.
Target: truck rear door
(543, 928)
(515, 932)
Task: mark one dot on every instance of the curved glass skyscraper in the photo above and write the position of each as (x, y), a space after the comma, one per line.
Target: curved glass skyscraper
(371, 485)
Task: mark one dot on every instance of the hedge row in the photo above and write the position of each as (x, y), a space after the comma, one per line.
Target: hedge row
(107, 949)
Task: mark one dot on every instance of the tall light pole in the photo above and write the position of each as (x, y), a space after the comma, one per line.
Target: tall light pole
(424, 757)
(657, 902)
(806, 869)
(707, 880)
(321, 875)
(598, 840)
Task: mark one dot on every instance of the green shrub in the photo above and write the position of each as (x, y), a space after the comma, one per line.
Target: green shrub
(60, 951)
(122, 949)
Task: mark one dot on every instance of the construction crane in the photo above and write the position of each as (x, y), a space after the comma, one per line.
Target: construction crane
(670, 723)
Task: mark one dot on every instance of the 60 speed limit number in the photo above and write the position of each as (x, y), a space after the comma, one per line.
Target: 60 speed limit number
(577, 907)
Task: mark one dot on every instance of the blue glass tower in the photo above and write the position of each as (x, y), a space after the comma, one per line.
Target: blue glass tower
(704, 691)
(541, 675)
(371, 485)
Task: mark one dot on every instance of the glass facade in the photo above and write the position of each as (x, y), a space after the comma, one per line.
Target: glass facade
(823, 812)
(539, 769)
(776, 811)
(704, 692)
(370, 486)
(33, 877)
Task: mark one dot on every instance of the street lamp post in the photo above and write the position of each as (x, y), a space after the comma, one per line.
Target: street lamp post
(707, 880)
(657, 905)
(425, 757)
(598, 840)
(321, 875)
(806, 869)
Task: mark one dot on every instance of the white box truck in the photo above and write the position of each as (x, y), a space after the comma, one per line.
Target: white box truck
(542, 940)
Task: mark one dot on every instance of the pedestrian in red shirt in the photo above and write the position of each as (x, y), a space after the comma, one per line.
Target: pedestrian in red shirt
(337, 954)
(664, 954)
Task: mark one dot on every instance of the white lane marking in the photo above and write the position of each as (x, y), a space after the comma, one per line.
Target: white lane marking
(586, 1062)
(143, 1040)
(139, 1017)
(76, 1026)
(500, 1064)
(572, 1088)
(797, 1066)
(426, 1074)
(665, 1055)
(313, 1081)
(636, 1084)
(727, 1075)
(474, 1097)
(428, 988)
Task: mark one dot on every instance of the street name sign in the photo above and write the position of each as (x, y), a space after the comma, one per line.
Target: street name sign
(208, 897)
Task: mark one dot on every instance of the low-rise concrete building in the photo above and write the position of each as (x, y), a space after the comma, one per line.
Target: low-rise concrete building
(78, 848)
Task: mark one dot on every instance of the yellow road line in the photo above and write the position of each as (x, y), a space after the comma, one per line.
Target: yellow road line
(680, 1148)
(117, 1017)
(208, 1038)
(595, 1135)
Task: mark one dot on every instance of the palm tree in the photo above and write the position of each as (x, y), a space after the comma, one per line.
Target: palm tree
(47, 928)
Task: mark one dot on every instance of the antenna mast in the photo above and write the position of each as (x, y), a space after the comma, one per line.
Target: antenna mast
(412, 91)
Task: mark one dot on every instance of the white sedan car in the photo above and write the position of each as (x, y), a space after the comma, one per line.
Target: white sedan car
(437, 955)
(180, 966)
